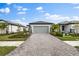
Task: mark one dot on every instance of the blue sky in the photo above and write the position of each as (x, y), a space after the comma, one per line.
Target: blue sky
(25, 13)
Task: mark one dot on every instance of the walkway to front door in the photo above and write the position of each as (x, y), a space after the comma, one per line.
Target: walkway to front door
(44, 45)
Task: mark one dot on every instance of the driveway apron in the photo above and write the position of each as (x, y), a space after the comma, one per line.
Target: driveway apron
(44, 45)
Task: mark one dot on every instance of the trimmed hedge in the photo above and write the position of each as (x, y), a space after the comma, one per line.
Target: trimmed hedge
(57, 34)
(74, 34)
(19, 35)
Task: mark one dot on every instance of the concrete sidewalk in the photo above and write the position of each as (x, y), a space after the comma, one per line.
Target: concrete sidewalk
(72, 43)
(10, 43)
(44, 45)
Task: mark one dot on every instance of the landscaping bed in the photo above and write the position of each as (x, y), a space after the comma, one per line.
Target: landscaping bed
(77, 47)
(6, 49)
(14, 37)
(70, 37)
(67, 38)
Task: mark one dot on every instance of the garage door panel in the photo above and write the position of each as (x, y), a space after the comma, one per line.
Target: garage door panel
(40, 29)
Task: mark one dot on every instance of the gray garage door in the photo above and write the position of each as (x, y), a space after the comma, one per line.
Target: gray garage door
(41, 29)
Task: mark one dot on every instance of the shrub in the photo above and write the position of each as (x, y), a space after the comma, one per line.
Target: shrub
(59, 34)
(4, 34)
(19, 35)
(53, 33)
(74, 34)
(56, 34)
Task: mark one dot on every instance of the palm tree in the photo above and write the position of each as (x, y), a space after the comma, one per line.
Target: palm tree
(3, 26)
(55, 27)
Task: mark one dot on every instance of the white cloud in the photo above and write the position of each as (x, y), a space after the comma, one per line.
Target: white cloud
(23, 19)
(5, 10)
(2, 10)
(21, 12)
(53, 16)
(47, 14)
(39, 8)
(58, 18)
(8, 3)
(77, 7)
(20, 21)
(75, 18)
(20, 8)
(24, 9)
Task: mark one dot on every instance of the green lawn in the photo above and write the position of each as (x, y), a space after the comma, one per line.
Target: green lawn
(13, 37)
(6, 49)
(68, 38)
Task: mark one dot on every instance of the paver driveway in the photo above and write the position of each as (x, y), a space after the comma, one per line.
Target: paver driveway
(44, 45)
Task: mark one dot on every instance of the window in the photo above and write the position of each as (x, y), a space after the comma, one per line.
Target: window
(62, 28)
(72, 30)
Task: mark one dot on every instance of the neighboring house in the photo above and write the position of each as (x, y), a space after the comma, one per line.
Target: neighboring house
(11, 27)
(27, 28)
(40, 27)
(69, 26)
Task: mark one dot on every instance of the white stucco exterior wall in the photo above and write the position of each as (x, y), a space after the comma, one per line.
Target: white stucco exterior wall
(12, 28)
(27, 28)
(3, 31)
(21, 28)
(9, 28)
(68, 27)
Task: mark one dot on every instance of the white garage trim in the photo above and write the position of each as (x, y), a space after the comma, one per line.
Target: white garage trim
(32, 27)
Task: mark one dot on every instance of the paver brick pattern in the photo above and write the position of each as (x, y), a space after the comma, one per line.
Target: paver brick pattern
(44, 45)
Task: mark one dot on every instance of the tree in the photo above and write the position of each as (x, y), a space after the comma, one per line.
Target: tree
(3, 26)
(55, 28)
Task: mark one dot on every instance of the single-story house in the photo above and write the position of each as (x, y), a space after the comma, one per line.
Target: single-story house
(11, 27)
(69, 26)
(40, 27)
(27, 27)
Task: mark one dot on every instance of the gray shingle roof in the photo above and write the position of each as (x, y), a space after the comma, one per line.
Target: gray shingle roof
(69, 22)
(41, 22)
(9, 22)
